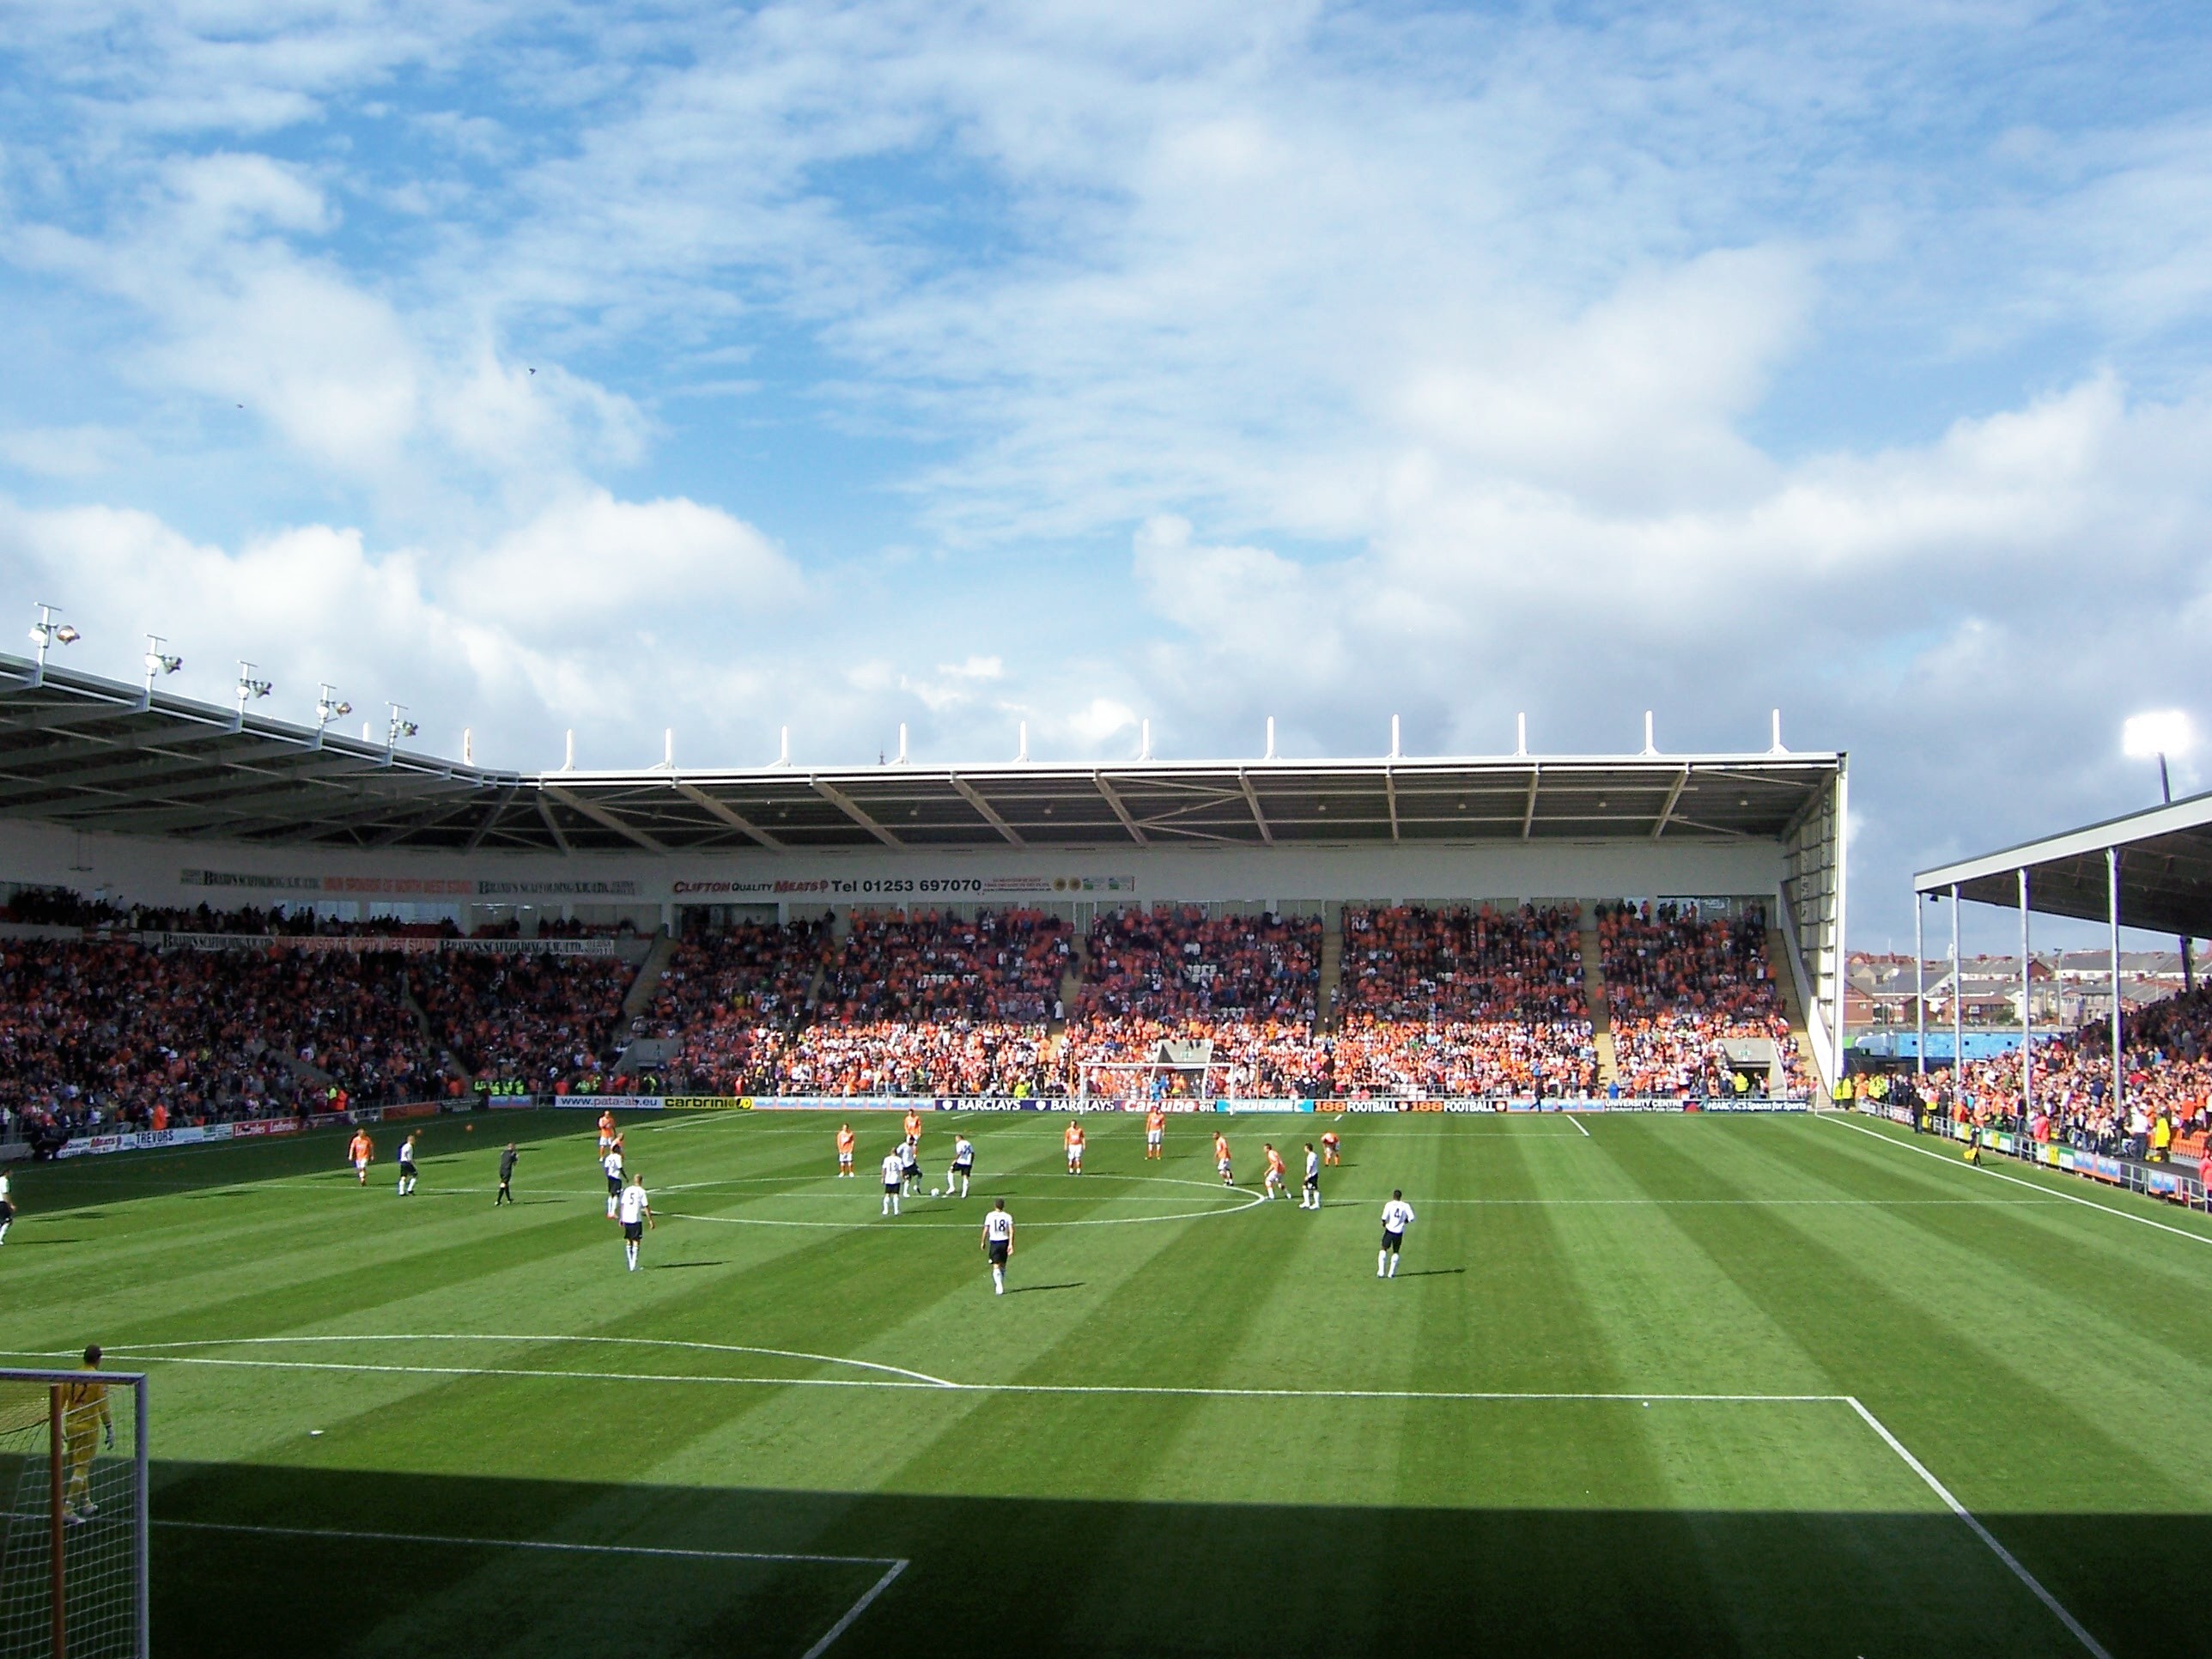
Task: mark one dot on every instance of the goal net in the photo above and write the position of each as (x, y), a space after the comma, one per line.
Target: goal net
(73, 1556)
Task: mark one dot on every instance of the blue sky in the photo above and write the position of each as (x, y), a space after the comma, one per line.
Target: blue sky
(834, 367)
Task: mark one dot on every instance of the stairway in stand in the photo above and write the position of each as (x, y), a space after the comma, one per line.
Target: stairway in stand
(1793, 1006)
(1594, 992)
(1332, 972)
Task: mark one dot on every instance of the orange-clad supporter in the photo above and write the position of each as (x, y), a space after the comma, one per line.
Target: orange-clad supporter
(845, 1143)
(1221, 1158)
(1156, 1128)
(1332, 1148)
(361, 1151)
(1072, 1137)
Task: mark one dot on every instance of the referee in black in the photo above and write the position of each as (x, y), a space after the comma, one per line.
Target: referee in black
(506, 1194)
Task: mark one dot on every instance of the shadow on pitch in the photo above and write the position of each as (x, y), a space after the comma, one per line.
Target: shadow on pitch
(1024, 1290)
(1108, 1577)
(1430, 1272)
(671, 1266)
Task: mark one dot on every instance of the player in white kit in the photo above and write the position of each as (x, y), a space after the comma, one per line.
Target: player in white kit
(612, 1165)
(963, 1164)
(998, 1244)
(1397, 1215)
(1310, 1197)
(636, 1217)
(894, 1181)
(407, 1167)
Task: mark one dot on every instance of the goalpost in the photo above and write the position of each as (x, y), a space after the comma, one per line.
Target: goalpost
(1096, 1079)
(73, 1538)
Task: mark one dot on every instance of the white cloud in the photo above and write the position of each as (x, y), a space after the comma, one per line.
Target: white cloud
(587, 565)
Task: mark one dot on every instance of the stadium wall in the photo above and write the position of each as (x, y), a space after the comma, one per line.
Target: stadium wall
(145, 871)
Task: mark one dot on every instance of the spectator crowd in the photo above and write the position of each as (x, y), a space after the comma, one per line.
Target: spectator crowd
(1459, 1002)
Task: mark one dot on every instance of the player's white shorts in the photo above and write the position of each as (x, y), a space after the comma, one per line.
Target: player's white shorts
(359, 1165)
(1225, 1168)
(1152, 1137)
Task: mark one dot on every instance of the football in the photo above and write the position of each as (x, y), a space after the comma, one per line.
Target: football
(933, 1192)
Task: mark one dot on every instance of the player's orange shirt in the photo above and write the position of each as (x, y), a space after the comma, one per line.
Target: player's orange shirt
(1074, 1136)
(1329, 1140)
(361, 1148)
(606, 1123)
(1274, 1162)
(1156, 1119)
(844, 1141)
(913, 1126)
(1221, 1145)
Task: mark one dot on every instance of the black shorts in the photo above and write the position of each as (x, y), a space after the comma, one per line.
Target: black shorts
(1313, 1184)
(7, 1212)
(407, 1168)
(963, 1169)
(999, 1249)
(893, 1186)
(1391, 1242)
(633, 1230)
(614, 1186)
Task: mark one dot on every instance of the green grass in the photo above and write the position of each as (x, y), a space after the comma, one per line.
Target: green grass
(1100, 1485)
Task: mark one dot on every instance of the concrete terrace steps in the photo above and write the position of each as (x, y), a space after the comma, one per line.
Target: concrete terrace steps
(647, 984)
(1793, 1008)
(1601, 1012)
(1332, 971)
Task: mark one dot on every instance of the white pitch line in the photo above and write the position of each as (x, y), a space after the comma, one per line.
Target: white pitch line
(1980, 1531)
(531, 1544)
(1142, 1389)
(1999, 1175)
(489, 1336)
(855, 1611)
(894, 1565)
(1579, 1123)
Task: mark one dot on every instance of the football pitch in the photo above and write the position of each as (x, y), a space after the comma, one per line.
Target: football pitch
(1643, 1384)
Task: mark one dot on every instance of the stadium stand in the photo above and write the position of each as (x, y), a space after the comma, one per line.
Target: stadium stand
(934, 1004)
(1234, 993)
(731, 1000)
(1459, 1002)
(550, 1022)
(105, 1032)
(1679, 987)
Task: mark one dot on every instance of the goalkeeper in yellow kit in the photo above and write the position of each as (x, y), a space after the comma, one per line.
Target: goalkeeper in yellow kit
(85, 1420)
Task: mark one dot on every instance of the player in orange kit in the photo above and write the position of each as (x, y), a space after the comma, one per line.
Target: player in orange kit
(1074, 1138)
(844, 1150)
(1221, 1158)
(361, 1149)
(1271, 1183)
(1156, 1128)
(914, 1126)
(1332, 1149)
(606, 1132)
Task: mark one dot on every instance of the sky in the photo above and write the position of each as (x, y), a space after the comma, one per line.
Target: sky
(623, 368)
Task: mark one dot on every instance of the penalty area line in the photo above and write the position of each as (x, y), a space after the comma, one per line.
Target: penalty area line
(893, 1565)
(2012, 1561)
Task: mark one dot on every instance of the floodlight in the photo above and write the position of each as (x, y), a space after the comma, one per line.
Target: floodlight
(398, 726)
(249, 687)
(2164, 731)
(158, 662)
(66, 635)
